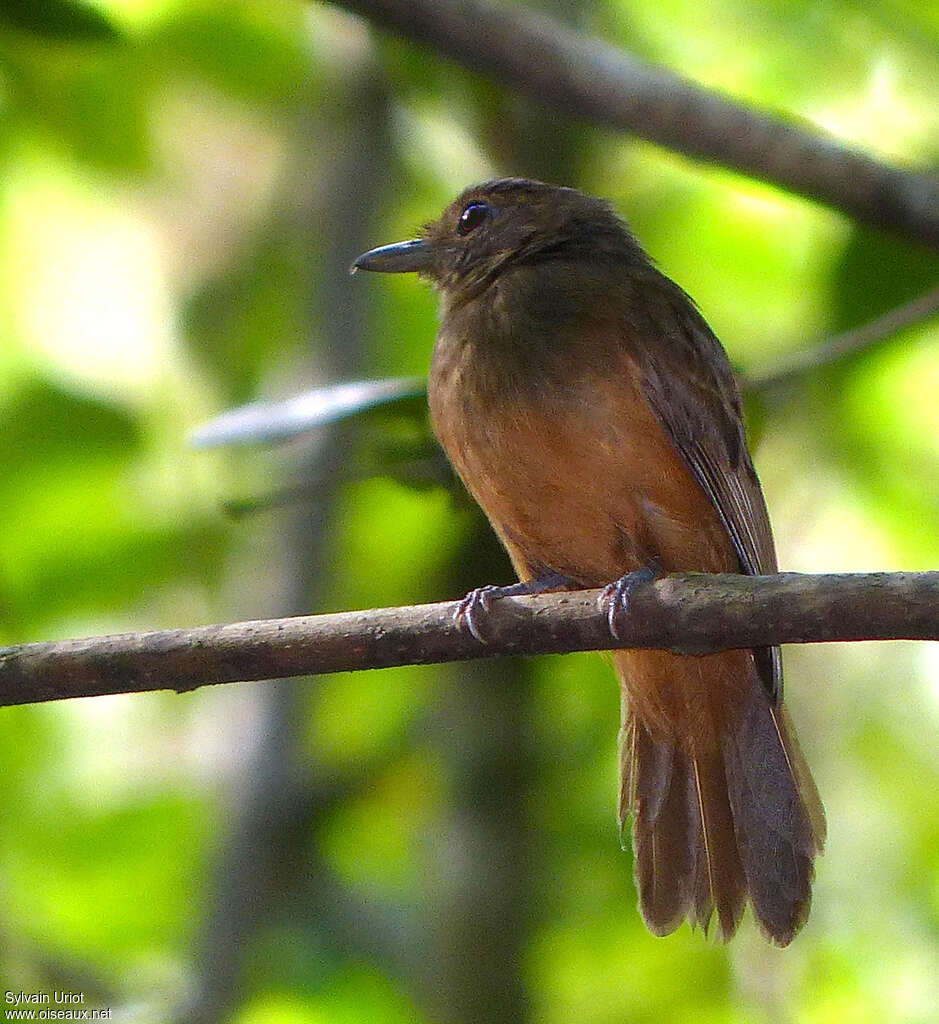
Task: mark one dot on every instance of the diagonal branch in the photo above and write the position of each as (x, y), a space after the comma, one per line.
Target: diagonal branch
(589, 78)
(691, 614)
(841, 345)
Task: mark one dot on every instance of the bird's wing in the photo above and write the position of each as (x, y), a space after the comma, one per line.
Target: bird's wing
(690, 385)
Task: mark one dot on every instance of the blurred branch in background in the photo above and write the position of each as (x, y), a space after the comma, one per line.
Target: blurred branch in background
(846, 344)
(265, 869)
(687, 613)
(476, 915)
(590, 78)
(263, 422)
(416, 460)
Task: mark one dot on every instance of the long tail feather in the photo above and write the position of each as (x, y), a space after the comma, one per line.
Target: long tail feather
(720, 865)
(664, 830)
(780, 828)
(722, 812)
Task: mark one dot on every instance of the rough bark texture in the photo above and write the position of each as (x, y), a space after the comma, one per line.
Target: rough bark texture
(689, 614)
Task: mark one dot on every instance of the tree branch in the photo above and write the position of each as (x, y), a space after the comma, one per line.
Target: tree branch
(840, 345)
(690, 614)
(592, 79)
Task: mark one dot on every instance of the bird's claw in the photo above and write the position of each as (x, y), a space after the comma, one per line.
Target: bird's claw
(614, 598)
(477, 603)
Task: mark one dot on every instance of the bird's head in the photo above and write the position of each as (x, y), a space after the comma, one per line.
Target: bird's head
(499, 224)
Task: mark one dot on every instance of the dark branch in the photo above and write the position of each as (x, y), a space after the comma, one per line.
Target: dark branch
(592, 79)
(691, 614)
(841, 345)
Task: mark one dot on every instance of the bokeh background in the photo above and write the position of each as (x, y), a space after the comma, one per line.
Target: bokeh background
(183, 187)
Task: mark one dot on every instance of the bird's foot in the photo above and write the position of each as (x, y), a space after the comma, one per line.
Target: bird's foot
(614, 598)
(473, 610)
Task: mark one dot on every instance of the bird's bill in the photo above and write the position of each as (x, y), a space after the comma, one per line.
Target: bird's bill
(397, 258)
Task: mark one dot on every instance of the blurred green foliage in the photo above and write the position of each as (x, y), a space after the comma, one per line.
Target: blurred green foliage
(64, 20)
(177, 202)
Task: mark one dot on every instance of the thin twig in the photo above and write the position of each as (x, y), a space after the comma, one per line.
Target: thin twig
(841, 345)
(691, 614)
(589, 78)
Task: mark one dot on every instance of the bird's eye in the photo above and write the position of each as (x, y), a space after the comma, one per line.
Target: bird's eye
(472, 217)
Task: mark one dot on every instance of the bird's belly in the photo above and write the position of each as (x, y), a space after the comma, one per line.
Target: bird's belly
(588, 485)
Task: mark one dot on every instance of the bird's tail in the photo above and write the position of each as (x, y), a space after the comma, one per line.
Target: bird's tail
(724, 808)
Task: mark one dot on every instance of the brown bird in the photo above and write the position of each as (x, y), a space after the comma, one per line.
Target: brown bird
(594, 416)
